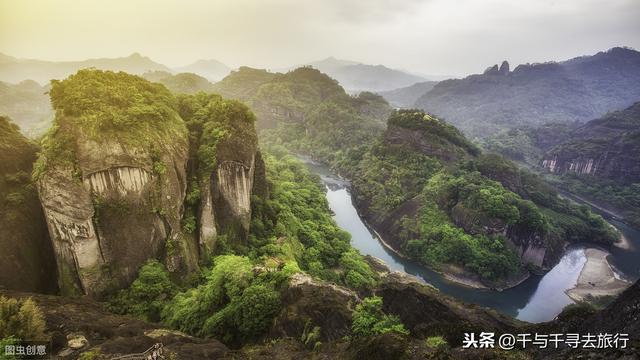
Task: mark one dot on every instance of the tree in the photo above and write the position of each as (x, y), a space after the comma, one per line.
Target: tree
(369, 319)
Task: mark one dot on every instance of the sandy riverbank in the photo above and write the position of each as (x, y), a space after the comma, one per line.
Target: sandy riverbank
(597, 278)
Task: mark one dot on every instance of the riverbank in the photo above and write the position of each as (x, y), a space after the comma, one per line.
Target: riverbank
(453, 273)
(597, 278)
(623, 242)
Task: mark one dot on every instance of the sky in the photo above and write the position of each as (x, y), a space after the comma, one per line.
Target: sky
(439, 37)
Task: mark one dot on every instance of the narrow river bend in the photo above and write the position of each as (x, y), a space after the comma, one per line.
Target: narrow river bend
(538, 299)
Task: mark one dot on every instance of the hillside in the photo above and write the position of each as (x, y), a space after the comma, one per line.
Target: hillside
(596, 160)
(354, 76)
(27, 104)
(406, 97)
(307, 109)
(606, 147)
(435, 197)
(391, 169)
(579, 90)
(599, 161)
(164, 206)
(14, 70)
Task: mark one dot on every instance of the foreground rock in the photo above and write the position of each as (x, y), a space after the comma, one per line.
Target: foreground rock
(27, 256)
(78, 326)
(112, 180)
(310, 304)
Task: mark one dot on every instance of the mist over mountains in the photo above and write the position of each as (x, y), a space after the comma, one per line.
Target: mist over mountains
(14, 70)
(570, 91)
(354, 76)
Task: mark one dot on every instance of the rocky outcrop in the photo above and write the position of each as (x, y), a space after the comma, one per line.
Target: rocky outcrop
(81, 325)
(27, 256)
(423, 142)
(426, 312)
(491, 70)
(495, 70)
(118, 208)
(309, 303)
(111, 178)
(504, 68)
(225, 205)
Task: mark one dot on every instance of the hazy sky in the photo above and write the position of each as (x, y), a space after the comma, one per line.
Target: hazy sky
(451, 37)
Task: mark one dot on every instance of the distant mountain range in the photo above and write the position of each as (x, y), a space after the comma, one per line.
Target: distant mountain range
(579, 90)
(14, 70)
(354, 76)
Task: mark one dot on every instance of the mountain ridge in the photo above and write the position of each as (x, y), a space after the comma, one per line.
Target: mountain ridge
(579, 89)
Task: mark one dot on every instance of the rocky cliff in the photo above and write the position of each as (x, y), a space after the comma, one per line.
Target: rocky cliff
(27, 263)
(606, 147)
(111, 179)
(225, 166)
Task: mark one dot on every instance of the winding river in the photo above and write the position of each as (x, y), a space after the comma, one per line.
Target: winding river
(538, 299)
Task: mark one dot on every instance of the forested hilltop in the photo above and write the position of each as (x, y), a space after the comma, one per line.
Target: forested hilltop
(434, 196)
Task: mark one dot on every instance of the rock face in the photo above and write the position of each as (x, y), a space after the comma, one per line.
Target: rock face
(225, 204)
(504, 68)
(27, 256)
(310, 303)
(606, 147)
(113, 199)
(79, 325)
(119, 213)
(426, 312)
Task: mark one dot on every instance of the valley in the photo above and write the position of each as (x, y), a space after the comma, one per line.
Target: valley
(250, 214)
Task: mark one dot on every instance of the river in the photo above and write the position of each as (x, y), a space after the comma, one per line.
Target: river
(538, 299)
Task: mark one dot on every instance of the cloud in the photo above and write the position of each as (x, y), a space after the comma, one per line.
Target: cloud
(428, 36)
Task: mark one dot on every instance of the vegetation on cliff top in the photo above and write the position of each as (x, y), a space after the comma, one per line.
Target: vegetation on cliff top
(106, 106)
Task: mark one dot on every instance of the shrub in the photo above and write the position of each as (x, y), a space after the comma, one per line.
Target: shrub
(147, 295)
(369, 319)
(21, 319)
(436, 342)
